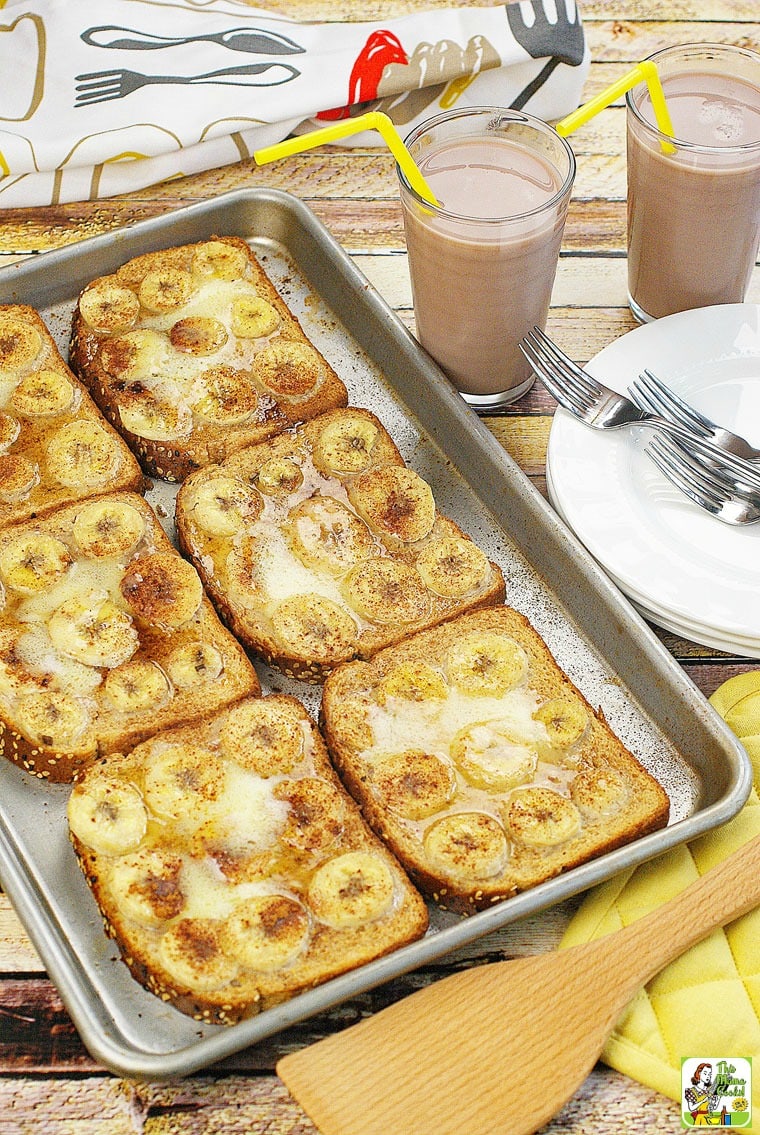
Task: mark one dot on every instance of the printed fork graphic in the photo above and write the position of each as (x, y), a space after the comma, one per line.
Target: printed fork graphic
(102, 86)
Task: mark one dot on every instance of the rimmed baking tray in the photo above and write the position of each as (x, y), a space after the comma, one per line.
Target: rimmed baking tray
(594, 633)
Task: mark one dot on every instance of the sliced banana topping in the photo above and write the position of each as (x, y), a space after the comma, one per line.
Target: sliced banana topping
(453, 567)
(191, 952)
(387, 591)
(147, 885)
(266, 932)
(345, 445)
(134, 356)
(52, 718)
(566, 723)
(279, 475)
(223, 504)
(414, 784)
(152, 418)
(310, 626)
(265, 737)
(42, 394)
(352, 889)
(20, 344)
(198, 335)
(327, 536)
(288, 369)
(165, 289)
(253, 317)
(467, 846)
(136, 685)
(217, 258)
(484, 664)
(193, 664)
(412, 681)
(83, 453)
(33, 562)
(490, 756)
(396, 502)
(245, 566)
(10, 428)
(107, 528)
(540, 817)
(108, 307)
(107, 814)
(316, 815)
(163, 589)
(229, 398)
(18, 476)
(180, 782)
(93, 630)
(598, 792)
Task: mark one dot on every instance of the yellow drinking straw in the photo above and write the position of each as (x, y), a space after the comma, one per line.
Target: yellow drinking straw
(372, 120)
(642, 72)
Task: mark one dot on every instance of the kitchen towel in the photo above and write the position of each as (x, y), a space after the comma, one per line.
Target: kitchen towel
(106, 98)
(706, 1003)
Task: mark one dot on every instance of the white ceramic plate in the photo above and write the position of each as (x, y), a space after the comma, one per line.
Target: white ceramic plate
(664, 552)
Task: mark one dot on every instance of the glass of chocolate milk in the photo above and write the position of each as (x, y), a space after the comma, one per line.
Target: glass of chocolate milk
(482, 262)
(694, 201)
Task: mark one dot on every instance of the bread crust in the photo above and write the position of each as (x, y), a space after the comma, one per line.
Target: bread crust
(206, 382)
(549, 805)
(360, 553)
(270, 825)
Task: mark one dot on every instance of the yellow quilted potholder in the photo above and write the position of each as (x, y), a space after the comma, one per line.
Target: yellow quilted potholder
(708, 1001)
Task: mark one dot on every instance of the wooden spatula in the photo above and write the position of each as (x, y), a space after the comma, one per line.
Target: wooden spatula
(498, 1049)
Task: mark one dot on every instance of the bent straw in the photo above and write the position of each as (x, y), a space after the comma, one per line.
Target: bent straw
(642, 72)
(372, 120)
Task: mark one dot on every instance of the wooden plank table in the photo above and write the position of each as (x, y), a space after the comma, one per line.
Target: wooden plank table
(48, 1082)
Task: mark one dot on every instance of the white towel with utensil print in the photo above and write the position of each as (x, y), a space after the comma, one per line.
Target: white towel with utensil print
(106, 98)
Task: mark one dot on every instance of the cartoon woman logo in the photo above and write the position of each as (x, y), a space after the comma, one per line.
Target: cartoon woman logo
(701, 1098)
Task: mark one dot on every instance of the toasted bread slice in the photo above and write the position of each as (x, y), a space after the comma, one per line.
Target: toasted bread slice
(55, 445)
(480, 764)
(191, 353)
(321, 545)
(231, 867)
(105, 636)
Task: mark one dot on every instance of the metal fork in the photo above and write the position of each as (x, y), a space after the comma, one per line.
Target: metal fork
(705, 487)
(650, 393)
(103, 86)
(602, 408)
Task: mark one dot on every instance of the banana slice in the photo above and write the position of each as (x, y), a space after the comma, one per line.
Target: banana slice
(10, 428)
(229, 398)
(107, 814)
(453, 567)
(217, 258)
(414, 784)
(198, 335)
(163, 589)
(540, 817)
(20, 344)
(598, 792)
(279, 476)
(191, 952)
(387, 591)
(266, 932)
(52, 718)
(566, 722)
(165, 289)
(222, 505)
(93, 630)
(33, 562)
(135, 356)
(351, 890)
(193, 664)
(467, 846)
(316, 815)
(152, 418)
(18, 476)
(109, 307)
(485, 664)
(327, 536)
(489, 756)
(288, 369)
(396, 502)
(135, 685)
(265, 737)
(310, 626)
(412, 681)
(345, 445)
(181, 782)
(146, 884)
(104, 529)
(253, 317)
(42, 394)
(83, 453)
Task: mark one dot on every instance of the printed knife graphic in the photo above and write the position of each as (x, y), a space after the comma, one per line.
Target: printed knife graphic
(253, 40)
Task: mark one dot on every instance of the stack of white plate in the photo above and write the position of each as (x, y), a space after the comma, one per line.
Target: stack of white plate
(682, 568)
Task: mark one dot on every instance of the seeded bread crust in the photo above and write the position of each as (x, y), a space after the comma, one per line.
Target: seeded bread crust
(263, 389)
(325, 533)
(580, 801)
(99, 651)
(268, 885)
(37, 471)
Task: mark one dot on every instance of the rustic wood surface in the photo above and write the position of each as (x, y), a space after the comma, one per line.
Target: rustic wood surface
(48, 1082)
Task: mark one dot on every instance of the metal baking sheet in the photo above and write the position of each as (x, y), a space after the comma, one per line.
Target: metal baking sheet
(594, 633)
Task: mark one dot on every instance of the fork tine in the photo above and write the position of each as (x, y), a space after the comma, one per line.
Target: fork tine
(709, 479)
(560, 387)
(667, 397)
(562, 360)
(685, 482)
(556, 366)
